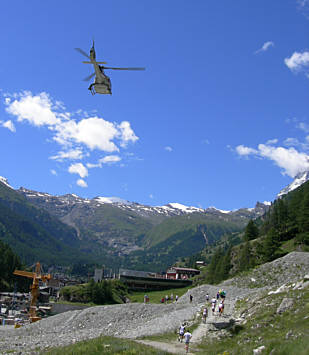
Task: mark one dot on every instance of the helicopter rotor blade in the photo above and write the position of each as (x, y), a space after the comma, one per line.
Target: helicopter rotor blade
(89, 77)
(124, 68)
(82, 52)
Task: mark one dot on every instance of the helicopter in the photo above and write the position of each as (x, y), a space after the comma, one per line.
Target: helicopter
(102, 83)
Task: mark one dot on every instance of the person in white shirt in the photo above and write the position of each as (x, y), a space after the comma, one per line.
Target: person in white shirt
(188, 337)
(181, 332)
(205, 312)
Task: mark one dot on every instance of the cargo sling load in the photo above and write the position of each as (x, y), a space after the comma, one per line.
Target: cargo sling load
(36, 276)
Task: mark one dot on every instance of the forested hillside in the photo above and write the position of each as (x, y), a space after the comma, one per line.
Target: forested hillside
(8, 263)
(284, 228)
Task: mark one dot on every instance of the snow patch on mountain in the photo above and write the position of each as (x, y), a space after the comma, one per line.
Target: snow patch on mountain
(103, 200)
(5, 182)
(179, 206)
(217, 209)
(299, 179)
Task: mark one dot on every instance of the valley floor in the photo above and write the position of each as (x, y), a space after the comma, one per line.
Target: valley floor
(135, 320)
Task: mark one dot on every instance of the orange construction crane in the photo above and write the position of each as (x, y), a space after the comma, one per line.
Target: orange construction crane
(36, 276)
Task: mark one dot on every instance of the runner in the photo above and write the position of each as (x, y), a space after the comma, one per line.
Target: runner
(213, 305)
(191, 298)
(181, 332)
(187, 336)
(207, 297)
(220, 308)
(176, 298)
(205, 313)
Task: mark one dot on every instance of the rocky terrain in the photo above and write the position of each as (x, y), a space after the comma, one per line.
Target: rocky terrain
(137, 320)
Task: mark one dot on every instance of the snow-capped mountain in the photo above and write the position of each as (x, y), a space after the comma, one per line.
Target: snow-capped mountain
(5, 182)
(299, 179)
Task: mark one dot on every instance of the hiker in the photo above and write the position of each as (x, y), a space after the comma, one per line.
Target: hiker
(205, 312)
(213, 305)
(220, 308)
(166, 299)
(187, 336)
(182, 329)
(218, 295)
(207, 297)
(191, 298)
(222, 294)
(176, 298)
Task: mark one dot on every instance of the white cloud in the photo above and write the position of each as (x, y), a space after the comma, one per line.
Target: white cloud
(243, 151)
(36, 109)
(168, 148)
(298, 62)
(79, 169)
(289, 159)
(303, 126)
(272, 141)
(53, 172)
(9, 125)
(78, 137)
(94, 132)
(265, 47)
(291, 142)
(109, 159)
(70, 154)
(81, 183)
(126, 133)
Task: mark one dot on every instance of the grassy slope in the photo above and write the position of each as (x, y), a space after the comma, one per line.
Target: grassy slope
(213, 227)
(106, 345)
(282, 334)
(156, 296)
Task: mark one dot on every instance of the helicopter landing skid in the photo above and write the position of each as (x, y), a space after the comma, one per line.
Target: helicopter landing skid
(91, 89)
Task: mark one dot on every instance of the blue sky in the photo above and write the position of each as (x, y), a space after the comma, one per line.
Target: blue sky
(219, 117)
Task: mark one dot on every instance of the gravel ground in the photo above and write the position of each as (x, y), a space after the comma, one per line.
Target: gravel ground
(134, 320)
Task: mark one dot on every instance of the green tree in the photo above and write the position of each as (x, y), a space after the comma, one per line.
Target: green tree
(271, 245)
(246, 260)
(303, 220)
(251, 231)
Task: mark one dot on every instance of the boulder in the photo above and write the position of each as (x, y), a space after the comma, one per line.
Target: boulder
(286, 304)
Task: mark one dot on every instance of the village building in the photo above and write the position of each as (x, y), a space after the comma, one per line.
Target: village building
(181, 273)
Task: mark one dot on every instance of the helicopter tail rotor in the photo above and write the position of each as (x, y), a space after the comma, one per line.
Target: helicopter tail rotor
(82, 52)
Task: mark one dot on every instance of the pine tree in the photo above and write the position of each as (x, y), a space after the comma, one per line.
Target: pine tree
(246, 259)
(303, 220)
(251, 231)
(271, 245)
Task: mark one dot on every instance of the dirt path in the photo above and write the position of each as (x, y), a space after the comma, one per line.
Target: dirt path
(173, 347)
(214, 323)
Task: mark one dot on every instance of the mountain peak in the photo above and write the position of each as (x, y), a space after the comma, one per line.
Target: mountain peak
(299, 179)
(5, 182)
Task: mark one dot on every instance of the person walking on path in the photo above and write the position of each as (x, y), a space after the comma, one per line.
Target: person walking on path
(188, 337)
(181, 332)
(207, 297)
(205, 312)
(176, 298)
(213, 305)
(191, 298)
